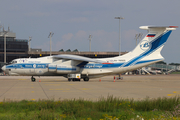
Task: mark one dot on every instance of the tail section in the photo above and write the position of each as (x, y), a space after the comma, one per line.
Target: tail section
(148, 50)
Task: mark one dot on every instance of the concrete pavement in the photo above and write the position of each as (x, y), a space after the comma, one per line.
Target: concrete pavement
(58, 88)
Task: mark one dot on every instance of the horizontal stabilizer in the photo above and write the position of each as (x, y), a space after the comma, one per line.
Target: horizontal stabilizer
(165, 27)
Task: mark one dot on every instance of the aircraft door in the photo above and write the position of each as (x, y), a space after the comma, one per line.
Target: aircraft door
(32, 70)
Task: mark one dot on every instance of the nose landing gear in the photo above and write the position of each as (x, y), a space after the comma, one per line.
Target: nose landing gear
(33, 79)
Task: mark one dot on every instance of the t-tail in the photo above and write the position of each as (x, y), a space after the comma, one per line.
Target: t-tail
(148, 51)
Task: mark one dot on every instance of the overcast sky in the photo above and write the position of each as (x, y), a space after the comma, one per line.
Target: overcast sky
(72, 21)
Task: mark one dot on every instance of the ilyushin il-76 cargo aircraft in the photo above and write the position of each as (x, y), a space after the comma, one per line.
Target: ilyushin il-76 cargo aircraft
(76, 67)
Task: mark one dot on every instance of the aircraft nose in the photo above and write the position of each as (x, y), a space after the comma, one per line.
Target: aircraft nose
(4, 68)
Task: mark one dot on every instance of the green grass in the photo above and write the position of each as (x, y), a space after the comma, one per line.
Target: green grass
(103, 109)
(178, 72)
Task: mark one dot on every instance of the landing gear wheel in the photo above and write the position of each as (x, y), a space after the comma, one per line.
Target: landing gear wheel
(33, 79)
(86, 79)
(73, 79)
(69, 79)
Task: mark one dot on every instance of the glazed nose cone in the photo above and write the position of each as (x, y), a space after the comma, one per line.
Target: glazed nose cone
(4, 68)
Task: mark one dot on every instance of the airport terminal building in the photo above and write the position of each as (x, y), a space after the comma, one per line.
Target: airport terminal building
(15, 48)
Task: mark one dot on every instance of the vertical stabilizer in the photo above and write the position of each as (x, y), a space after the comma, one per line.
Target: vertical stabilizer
(149, 48)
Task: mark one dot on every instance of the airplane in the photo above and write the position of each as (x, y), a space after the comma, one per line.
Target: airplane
(76, 67)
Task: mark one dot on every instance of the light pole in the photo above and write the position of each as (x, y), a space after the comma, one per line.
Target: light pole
(90, 36)
(5, 32)
(50, 35)
(138, 36)
(119, 34)
(0, 26)
(30, 43)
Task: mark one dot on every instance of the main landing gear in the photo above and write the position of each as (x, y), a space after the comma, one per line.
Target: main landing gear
(73, 79)
(77, 79)
(33, 79)
(86, 79)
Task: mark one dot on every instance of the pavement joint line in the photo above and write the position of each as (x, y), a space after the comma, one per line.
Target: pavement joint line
(43, 90)
(9, 89)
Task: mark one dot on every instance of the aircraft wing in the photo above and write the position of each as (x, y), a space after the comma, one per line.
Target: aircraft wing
(78, 58)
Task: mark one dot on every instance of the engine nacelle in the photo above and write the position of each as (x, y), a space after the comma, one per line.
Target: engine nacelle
(52, 67)
(62, 69)
(67, 69)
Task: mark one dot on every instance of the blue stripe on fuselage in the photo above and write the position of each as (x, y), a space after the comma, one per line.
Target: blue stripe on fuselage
(28, 66)
(147, 61)
(99, 66)
(66, 69)
(52, 68)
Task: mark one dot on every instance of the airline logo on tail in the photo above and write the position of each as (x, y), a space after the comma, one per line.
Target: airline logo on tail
(145, 45)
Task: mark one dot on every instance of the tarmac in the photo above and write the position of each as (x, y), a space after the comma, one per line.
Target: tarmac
(138, 87)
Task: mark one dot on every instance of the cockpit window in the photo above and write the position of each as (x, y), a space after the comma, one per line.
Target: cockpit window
(13, 62)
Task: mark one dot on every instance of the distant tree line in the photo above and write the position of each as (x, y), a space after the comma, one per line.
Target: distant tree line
(174, 64)
(164, 63)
